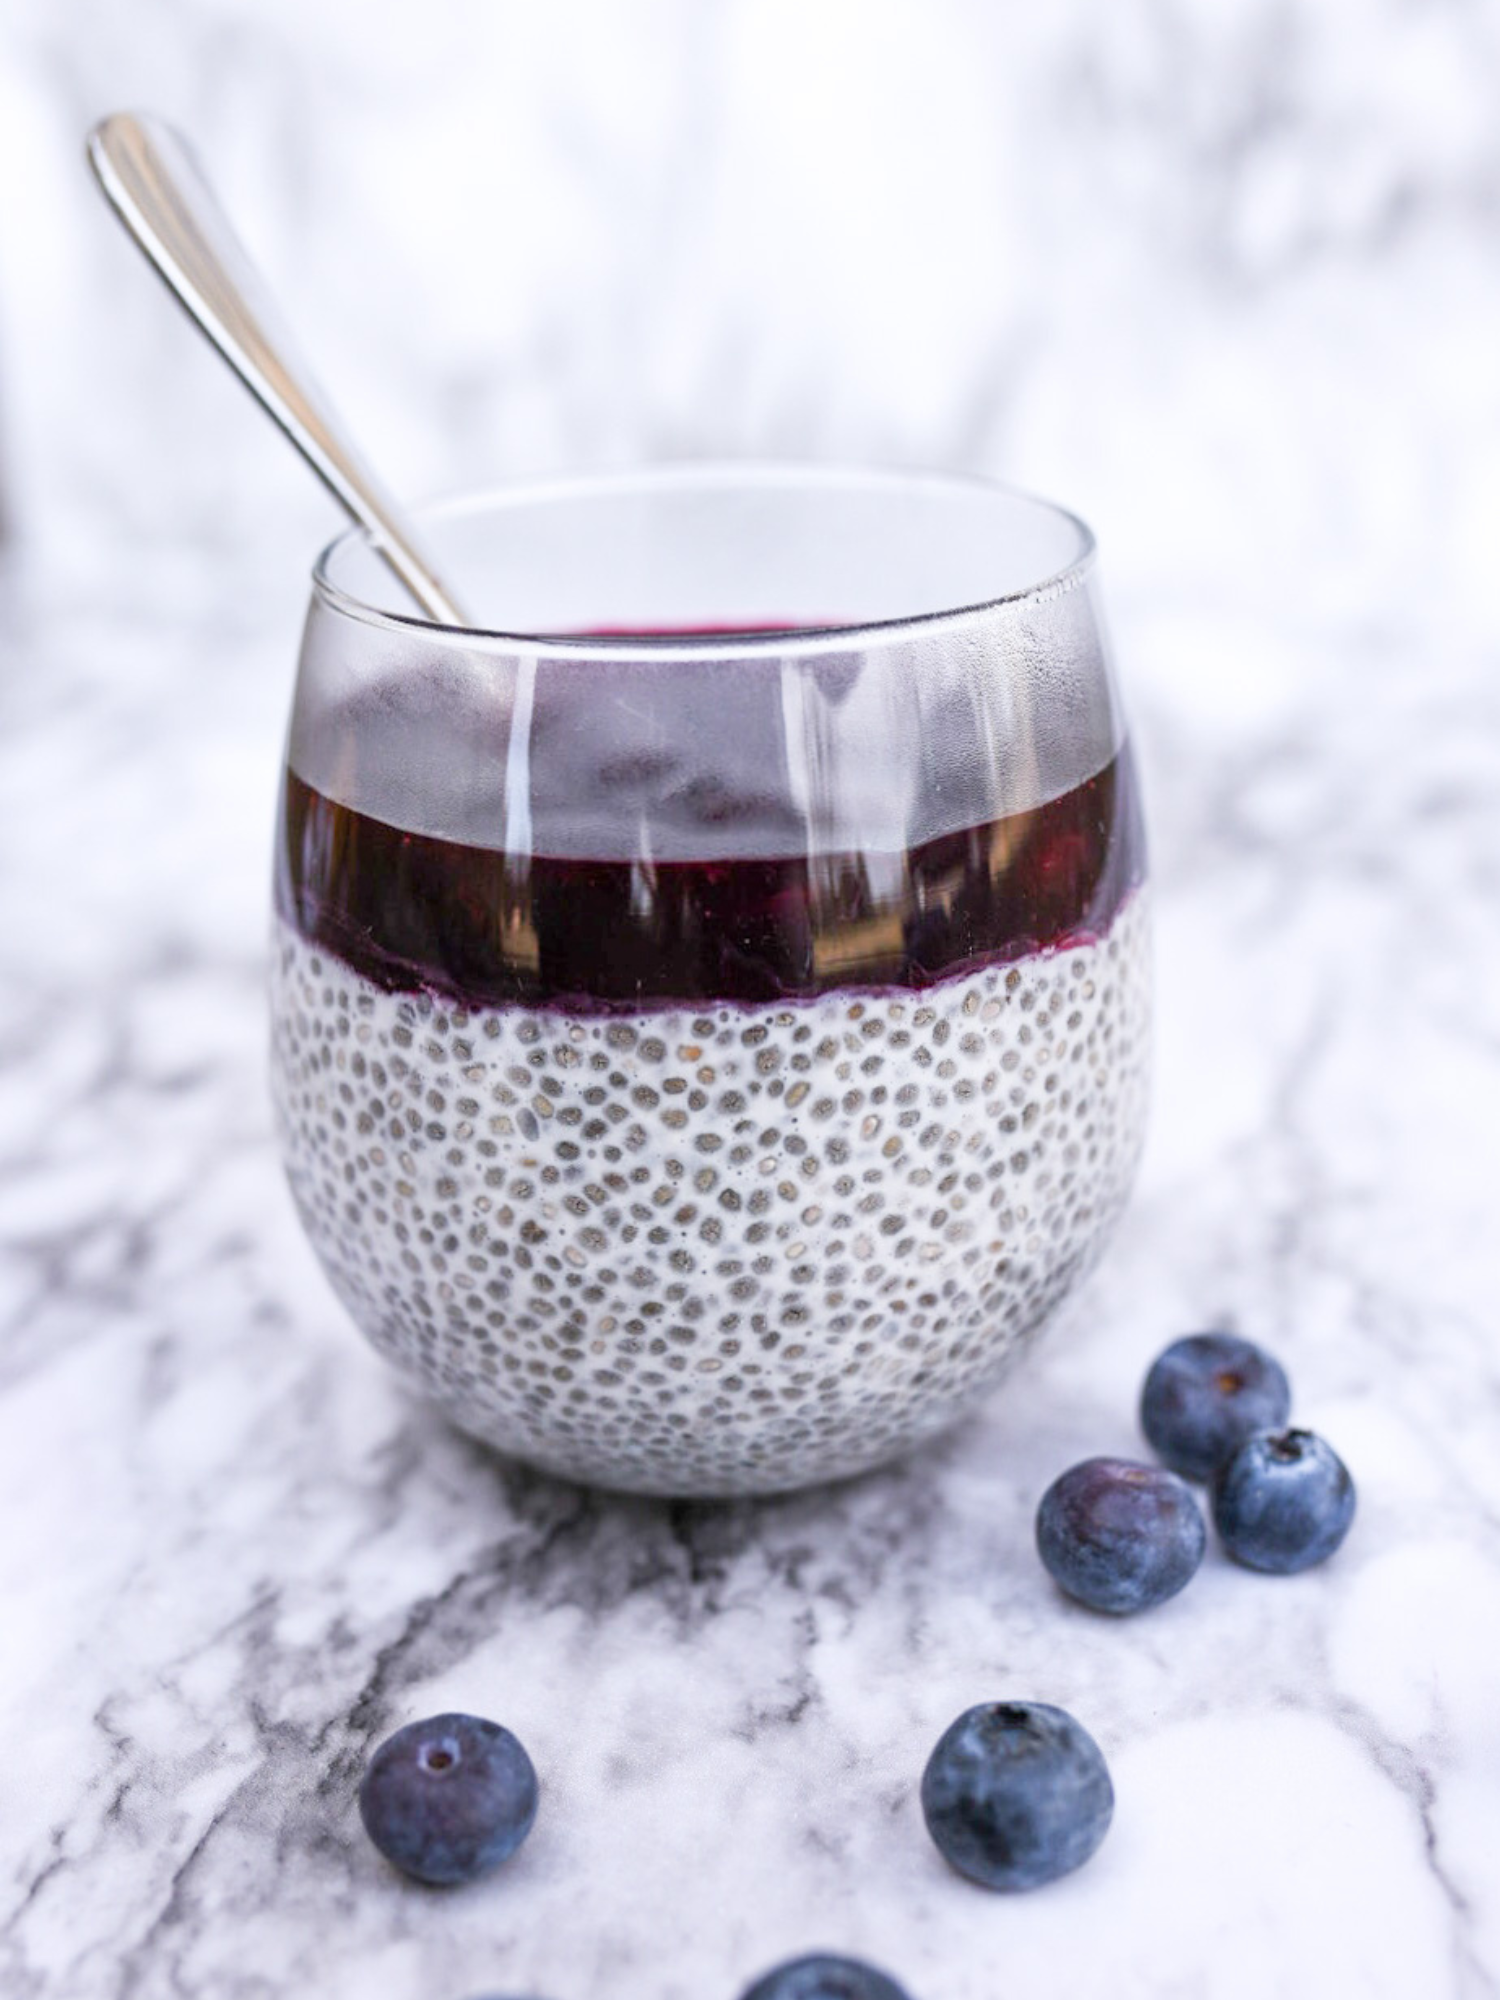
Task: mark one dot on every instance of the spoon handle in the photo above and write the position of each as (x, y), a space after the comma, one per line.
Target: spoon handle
(155, 186)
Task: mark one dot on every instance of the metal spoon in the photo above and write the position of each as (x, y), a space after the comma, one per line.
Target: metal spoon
(153, 183)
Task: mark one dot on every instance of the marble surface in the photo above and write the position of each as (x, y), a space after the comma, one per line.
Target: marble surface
(236, 1553)
(1222, 278)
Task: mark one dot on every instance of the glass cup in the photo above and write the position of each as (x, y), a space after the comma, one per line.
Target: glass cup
(711, 1002)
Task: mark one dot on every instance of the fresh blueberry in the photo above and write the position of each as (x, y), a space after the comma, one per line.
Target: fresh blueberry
(823, 1978)
(1015, 1794)
(1118, 1536)
(447, 1799)
(1283, 1502)
(1205, 1395)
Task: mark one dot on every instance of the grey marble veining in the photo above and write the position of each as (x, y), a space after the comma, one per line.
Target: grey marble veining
(1225, 281)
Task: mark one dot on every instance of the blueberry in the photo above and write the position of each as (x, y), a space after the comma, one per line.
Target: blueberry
(1283, 1502)
(823, 1978)
(1015, 1794)
(448, 1798)
(1205, 1395)
(1118, 1536)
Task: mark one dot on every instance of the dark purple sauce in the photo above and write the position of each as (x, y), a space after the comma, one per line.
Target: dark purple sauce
(409, 911)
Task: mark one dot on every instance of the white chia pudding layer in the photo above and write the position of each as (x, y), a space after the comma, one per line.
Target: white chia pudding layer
(717, 1248)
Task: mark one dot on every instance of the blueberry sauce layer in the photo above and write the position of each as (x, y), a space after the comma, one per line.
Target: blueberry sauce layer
(473, 925)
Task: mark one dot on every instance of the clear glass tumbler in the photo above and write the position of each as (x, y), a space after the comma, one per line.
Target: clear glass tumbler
(711, 1002)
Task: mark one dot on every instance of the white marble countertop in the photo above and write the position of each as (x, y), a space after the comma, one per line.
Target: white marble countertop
(236, 1554)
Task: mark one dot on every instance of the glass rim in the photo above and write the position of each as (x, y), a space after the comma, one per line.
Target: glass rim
(722, 475)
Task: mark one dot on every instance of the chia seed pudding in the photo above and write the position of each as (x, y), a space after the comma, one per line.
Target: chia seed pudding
(755, 1182)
